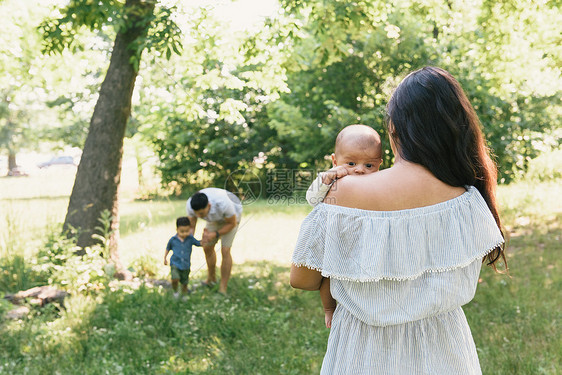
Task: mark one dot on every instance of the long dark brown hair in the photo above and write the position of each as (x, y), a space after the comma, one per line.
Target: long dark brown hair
(433, 123)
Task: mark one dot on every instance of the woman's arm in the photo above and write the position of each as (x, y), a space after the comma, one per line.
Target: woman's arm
(328, 302)
(305, 278)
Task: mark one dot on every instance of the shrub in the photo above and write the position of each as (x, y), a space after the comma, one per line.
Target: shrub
(546, 167)
(59, 260)
(145, 266)
(17, 274)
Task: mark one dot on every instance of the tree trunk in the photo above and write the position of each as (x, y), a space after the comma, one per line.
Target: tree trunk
(96, 188)
(12, 160)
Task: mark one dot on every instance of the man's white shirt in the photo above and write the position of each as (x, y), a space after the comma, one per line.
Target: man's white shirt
(224, 204)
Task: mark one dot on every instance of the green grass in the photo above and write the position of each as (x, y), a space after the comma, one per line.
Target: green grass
(515, 320)
(263, 326)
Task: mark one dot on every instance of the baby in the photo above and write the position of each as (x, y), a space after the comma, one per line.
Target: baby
(358, 150)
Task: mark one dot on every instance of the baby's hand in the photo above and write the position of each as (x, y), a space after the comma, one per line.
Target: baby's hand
(333, 174)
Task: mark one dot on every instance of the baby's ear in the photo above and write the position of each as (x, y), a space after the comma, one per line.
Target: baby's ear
(334, 161)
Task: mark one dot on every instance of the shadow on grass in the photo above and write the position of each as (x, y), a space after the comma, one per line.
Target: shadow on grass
(529, 230)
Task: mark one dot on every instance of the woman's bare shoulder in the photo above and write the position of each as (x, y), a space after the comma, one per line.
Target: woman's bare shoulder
(351, 191)
(391, 190)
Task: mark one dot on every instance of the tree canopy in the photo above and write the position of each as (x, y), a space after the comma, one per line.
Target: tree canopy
(335, 63)
(274, 97)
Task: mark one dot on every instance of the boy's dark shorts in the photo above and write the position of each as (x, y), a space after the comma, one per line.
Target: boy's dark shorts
(182, 275)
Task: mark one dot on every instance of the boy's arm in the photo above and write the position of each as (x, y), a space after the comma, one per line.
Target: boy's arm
(166, 257)
(328, 302)
(168, 248)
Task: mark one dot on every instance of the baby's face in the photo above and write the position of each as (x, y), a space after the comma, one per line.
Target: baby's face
(358, 161)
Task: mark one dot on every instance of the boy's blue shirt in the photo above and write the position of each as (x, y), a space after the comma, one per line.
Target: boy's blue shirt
(181, 251)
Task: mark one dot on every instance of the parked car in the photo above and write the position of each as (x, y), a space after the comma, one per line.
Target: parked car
(58, 160)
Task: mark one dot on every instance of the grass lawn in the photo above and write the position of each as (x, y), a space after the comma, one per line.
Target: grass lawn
(516, 320)
(263, 326)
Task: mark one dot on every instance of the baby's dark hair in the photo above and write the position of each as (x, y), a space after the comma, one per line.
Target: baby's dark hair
(199, 201)
(183, 222)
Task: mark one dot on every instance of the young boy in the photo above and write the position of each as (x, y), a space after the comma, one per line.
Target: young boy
(358, 150)
(180, 261)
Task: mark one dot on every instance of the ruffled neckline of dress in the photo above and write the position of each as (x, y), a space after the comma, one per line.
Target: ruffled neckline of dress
(362, 245)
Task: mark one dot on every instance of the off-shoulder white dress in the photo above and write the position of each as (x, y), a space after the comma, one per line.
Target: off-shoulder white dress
(400, 279)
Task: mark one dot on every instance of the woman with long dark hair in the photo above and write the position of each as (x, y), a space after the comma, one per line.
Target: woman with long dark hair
(404, 247)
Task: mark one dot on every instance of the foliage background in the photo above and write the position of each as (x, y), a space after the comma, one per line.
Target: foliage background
(274, 95)
(276, 99)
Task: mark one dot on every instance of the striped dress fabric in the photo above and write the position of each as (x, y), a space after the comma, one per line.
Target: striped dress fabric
(400, 279)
